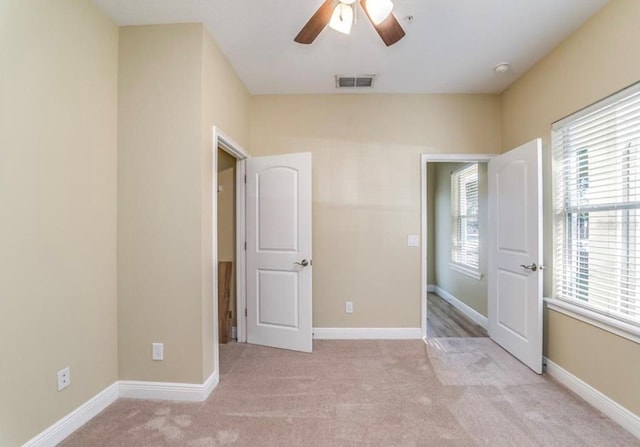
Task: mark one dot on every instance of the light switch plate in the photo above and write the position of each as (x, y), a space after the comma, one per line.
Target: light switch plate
(413, 240)
(157, 351)
(348, 307)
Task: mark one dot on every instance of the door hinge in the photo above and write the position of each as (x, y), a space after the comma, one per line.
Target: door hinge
(245, 311)
(245, 245)
(245, 178)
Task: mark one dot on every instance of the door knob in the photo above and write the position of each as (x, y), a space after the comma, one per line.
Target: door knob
(533, 267)
(303, 263)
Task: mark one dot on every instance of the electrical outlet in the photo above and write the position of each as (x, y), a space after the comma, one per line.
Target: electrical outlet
(157, 351)
(64, 378)
(348, 308)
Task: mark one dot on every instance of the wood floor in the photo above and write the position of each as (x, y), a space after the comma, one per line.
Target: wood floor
(444, 320)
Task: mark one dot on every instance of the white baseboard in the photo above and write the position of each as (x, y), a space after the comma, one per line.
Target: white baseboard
(55, 434)
(628, 420)
(183, 392)
(431, 288)
(474, 315)
(366, 333)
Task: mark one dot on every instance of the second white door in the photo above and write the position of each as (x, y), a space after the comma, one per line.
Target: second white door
(279, 251)
(515, 253)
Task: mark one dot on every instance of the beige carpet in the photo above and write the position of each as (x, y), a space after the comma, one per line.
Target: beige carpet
(451, 392)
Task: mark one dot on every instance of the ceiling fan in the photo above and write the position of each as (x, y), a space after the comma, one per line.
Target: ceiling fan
(339, 14)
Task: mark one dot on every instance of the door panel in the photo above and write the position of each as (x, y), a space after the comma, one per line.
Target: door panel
(512, 212)
(278, 298)
(515, 217)
(512, 298)
(278, 240)
(277, 209)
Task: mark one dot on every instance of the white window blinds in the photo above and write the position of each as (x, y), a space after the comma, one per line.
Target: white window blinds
(597, 155)
(464, 216)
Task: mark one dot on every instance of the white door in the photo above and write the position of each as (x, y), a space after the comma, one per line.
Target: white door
(279, 251)
(515, 253)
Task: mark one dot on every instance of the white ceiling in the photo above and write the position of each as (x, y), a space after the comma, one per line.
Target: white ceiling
(450, 47)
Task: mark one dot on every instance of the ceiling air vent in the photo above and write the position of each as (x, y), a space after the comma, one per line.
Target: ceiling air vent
(354, 81)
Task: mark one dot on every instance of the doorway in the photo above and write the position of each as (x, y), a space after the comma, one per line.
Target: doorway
(456, 260)
(454, 297)
(228, 170)
(226, 193)
(514, 292)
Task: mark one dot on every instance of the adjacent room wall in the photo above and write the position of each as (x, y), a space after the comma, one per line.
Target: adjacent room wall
(597, 60)
(175, 85)
(366, 188)
(470, 291)
(431, 227)
(58, 130)
(227, 219)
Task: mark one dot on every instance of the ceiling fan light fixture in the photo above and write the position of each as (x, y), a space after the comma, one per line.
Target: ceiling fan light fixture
(342, 18)
(379, 10)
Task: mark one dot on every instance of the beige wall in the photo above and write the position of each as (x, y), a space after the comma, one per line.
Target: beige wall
(227, 219)
(159, 202)
(469, 290)
(600, 58)
(58, 124)
(174, 86)
(366, 188)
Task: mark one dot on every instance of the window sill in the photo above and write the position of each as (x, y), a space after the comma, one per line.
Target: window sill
(622, 329)
(466, 271)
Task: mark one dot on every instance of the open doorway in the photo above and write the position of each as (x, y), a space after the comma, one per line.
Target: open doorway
(228, 222)
(457, 221)
(227, 263)
(514, 228)
(454, 252)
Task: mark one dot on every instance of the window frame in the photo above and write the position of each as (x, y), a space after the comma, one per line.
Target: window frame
(626, 328)
(470, 270)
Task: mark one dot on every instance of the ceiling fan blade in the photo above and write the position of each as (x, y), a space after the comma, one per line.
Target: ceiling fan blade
(316, 23)
(389, 30)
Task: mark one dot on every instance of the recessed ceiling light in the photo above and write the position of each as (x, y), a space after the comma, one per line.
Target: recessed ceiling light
(502, 67)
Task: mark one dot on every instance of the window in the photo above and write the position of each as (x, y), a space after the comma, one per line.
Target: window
(597, 156)
(464, 219)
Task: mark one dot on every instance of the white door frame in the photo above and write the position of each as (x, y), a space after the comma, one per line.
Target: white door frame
(224, 142)
(424, 159)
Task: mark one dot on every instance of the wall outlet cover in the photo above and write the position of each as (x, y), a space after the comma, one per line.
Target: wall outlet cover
(348, 308)
(64, 378)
